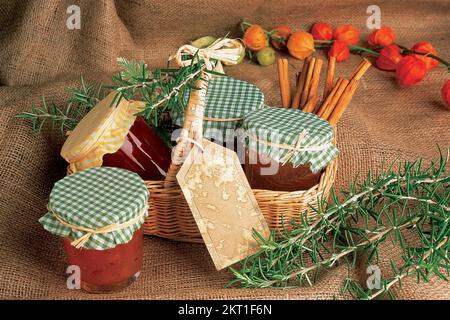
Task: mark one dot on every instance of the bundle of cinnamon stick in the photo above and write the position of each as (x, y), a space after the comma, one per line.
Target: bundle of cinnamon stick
(336, 95)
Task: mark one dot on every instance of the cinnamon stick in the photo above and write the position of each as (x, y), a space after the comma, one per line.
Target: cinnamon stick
(330, 77)
(280, 78)
(315, 79)
(329, 97)
(307, 85)
(343, 102)
(300, 84)
(360, 69)
(283, 75)
(311, 104)
(287, 86)
(347, 95)
(335, 99)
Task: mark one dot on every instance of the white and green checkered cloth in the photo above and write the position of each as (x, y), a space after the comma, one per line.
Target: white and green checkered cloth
(226, 98)
(95, 198)
(284, 126)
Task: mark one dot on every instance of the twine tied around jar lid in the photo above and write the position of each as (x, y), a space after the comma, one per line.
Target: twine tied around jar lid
(222, 119)
(78, 243)
(292, 150)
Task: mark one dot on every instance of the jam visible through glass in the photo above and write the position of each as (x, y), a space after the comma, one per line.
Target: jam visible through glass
(110, 269)
(142, 152)
(286, 178)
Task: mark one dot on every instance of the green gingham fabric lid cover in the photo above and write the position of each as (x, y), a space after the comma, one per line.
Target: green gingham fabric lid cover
(226, 98)
(284, 126)
(95, 198)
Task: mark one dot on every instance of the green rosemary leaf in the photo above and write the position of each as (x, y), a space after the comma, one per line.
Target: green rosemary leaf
(81, 100)
(391, 295)
(215, 73)
(191, 86)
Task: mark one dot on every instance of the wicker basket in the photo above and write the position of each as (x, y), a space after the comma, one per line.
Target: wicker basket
(169, 214)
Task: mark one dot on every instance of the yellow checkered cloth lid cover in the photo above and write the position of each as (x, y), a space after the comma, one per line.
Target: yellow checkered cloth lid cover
(103, 130)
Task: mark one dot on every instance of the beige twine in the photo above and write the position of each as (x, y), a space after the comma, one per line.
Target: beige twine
(292, 149)
(222, 120)
(198, 144)
(78, 243)
(221, 50)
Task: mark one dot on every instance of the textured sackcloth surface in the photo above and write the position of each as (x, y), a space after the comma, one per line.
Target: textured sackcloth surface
(40, 56)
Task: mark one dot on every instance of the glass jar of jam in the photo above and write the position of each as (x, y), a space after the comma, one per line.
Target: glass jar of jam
(286, 149)
(107, 270)
(113, 136)
(286, 177)
(142, 151)
(98, 213)
(228, 101)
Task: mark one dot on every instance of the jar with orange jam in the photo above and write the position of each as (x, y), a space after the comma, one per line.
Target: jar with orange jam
(99, 213)
(286, 149)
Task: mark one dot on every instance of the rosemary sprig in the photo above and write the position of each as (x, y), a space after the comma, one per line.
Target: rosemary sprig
(81, 101)
(52, 114)
(163, 90)
(422, 264)
(383, 206)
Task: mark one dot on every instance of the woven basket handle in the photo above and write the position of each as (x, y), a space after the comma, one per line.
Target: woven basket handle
(192, 128)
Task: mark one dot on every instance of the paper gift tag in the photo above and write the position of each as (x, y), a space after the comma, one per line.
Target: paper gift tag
(222, 203)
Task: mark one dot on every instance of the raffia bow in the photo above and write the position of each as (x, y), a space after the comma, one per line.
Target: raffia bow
(221, 50)
(296, 148)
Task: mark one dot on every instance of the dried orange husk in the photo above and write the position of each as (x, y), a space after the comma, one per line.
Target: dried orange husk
(301, 45)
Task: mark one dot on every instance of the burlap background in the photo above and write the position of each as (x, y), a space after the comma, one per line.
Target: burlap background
(39, 56)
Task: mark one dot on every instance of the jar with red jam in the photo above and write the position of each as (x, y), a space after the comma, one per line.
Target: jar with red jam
(98, 213)
(111, 135)
(286, 149)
